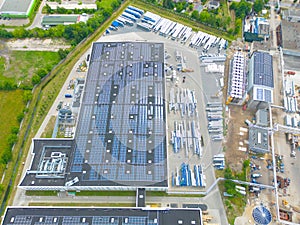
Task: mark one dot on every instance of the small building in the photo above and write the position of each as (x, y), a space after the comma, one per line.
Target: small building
(260, 80)
(213, 5)
(17, 8)
(262, 118)
(54, 20)
(257, 28)
(258, 139)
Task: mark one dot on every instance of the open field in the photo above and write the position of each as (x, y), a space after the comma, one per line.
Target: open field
(11, 104)
(23, 64)
(49, 129)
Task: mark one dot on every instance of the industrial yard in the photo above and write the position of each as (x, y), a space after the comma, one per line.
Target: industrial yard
(156, 108)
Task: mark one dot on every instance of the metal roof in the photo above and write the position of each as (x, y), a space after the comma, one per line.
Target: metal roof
(101, 216)
(262, 117)
(263, 94)
(121, 132)
(56, 20)
(20, 6)
(263, 69)
(258, 139)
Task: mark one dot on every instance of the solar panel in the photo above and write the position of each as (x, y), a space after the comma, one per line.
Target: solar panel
(124, 92)
(263, 69)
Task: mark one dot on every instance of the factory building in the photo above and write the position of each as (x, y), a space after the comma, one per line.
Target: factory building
(97, 216)
(120, 139)
(260, 80)
(17, 8)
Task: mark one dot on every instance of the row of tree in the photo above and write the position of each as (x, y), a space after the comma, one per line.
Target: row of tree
(60, 10)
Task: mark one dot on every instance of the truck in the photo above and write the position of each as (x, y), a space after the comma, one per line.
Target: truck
(256, 175)
(68, 96)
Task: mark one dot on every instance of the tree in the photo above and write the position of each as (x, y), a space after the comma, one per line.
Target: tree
(195, 15)
(204, 16)
(42, 72)
(35, 79)
(63, 53)
(168, 4)
(27, 96)
(258, 5)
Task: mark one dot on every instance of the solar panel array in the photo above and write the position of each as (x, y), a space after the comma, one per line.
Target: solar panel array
(121, 128)
(263, 69)
(100, 216)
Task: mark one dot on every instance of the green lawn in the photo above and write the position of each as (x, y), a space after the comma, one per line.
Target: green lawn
(11, 104)
(23, 64)
(2, 63)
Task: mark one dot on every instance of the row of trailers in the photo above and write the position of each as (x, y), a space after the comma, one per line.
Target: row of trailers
(189, 177)
(130, 16)
(206, 41)
(215, 120)
(179, 32)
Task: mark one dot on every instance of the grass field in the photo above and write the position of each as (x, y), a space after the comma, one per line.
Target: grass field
(60, 204)
(11, 104)
(23, 64)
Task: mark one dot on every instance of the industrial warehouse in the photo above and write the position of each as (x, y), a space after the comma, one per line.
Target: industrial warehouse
(17, 8)
(120, 141)
(96, 216)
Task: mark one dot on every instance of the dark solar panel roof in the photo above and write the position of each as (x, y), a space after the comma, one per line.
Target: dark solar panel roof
(101, 216)
(263, 69)
(120, 135)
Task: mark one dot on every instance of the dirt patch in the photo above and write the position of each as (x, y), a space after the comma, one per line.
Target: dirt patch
(37, 44)
(237, 136)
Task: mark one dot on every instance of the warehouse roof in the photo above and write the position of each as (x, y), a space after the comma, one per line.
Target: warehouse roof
(96, 216)
(16, 6)
(263, 69)
(121, 134)
(56, 20)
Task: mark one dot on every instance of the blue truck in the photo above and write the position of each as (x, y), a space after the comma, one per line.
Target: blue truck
(68, 96)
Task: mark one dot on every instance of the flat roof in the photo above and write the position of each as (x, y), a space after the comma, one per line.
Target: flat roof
(258, 139)
(55, 19)
(290, 35)
(237, 77)
(101, 216)
(121, 131)
(263, 69)
(20, 6)
(262, 117)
